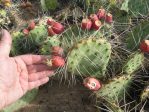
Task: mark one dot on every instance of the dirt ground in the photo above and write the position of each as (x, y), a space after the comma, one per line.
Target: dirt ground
(56, 97)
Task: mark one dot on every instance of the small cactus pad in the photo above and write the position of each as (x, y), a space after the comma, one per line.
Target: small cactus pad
(134, 63)
(48, 44)
(22, 44)
(115, 89)
(38, 35)
(145, 94)
(138, 33)
(89, 57)
(25, 100)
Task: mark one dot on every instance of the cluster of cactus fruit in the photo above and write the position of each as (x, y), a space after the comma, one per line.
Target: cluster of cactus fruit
(87, 57)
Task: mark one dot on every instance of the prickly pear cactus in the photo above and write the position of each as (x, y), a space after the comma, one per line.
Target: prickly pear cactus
(134, 63)
(49, 4)
(145, 94)
(137, 34)
(23, 44)
(25, 100)
(116, 89)
(38, 35)
(6, 19)
(48, 43)
(86, 57)
(137, 7)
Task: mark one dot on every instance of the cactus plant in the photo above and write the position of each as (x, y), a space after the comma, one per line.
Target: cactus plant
(6, 19)
(134, 62)
(136, 35)
(28, 43)
(145, 93)
(116, 89)
(45, 48)
(86, 57)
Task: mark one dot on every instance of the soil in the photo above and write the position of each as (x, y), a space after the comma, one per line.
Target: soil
(58, 97)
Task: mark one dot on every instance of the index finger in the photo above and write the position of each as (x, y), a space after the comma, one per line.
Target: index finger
(33, 59)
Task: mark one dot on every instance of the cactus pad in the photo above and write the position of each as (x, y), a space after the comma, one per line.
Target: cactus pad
(145, 94)
(138, 33)
(89, 57)
(48, 43)
(115, 89)
(134, 63)
(38, 35)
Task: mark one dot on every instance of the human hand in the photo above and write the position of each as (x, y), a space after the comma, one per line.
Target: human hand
(19, 74)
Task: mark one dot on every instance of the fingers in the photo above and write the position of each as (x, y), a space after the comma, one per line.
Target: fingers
(40, 75)
(33, 59)
(37, 83)
(5, 43)
(37, 68)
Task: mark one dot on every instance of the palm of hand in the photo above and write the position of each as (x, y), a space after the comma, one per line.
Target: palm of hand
(19, 74)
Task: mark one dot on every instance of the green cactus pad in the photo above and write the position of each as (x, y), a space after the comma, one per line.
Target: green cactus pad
(38, 35)
(137, 34)
(49, 4)
(50, 42)
(89, 57)
(115, 90)
(136, 7)
(134, 62)
(25, 100)
(145, 94)
(22, 44)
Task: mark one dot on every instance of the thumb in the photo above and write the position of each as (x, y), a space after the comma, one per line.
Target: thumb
(5, 43)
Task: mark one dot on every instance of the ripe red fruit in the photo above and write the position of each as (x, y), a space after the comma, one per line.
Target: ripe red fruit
(31, 25)
(56, 50)
(96, 25)
(109, 18)
(58, 28)
(25, 31)
(101, 13)
(50, 21)
(144, 46)
(92, 83)
(57, 61)
(50, 31)
(93, 17)
(86, 24)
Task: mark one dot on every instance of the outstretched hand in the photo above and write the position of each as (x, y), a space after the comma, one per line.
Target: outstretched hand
(19, 74)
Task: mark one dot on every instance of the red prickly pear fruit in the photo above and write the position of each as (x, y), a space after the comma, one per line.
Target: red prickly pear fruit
(25, 31)
(31, 25)
(56, 50)
(50, 21)
(50, 31)
(92, 83)
(93, 17)
(86, 24)
(101, 13)
(96, 25)
(109, 18)
(144, 46)
(58, 28)
(57, 61)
